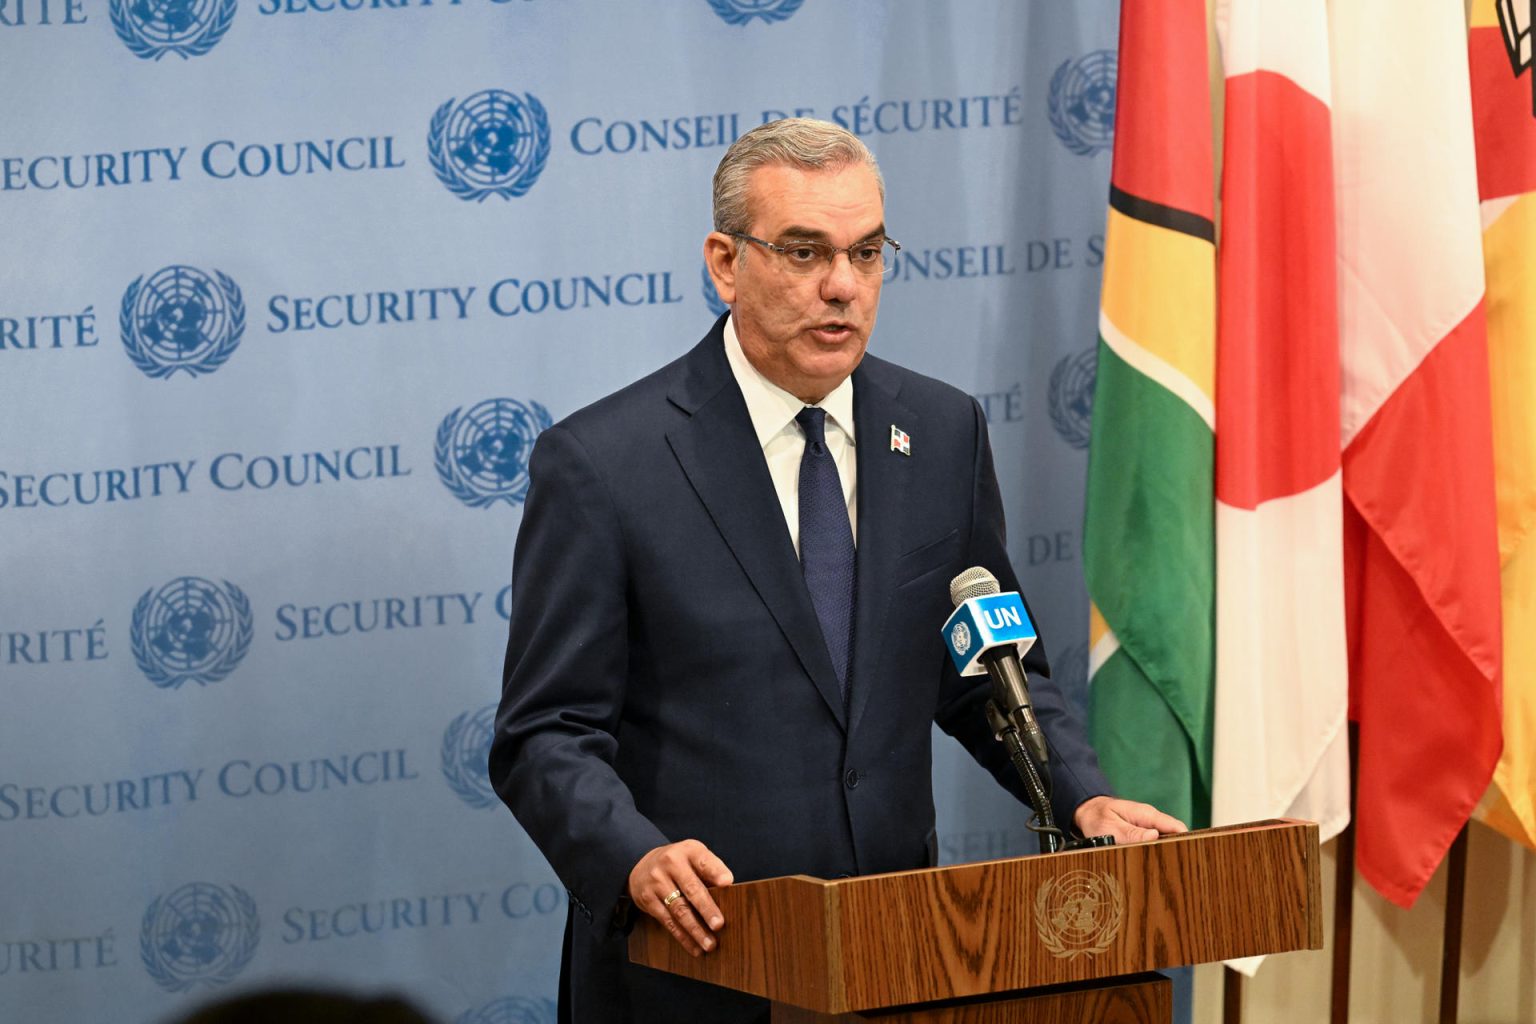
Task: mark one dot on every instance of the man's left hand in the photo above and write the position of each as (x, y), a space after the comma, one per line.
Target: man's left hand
(1126, 820)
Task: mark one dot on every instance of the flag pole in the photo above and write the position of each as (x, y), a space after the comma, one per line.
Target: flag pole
(1344, 893)
(1231, 996)
(1455, 900)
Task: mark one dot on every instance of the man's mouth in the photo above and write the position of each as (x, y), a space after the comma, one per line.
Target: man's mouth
(832, 331)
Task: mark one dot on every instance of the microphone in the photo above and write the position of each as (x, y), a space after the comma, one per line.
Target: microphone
(986, 635)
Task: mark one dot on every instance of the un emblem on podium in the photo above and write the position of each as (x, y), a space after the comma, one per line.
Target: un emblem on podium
(1082, 102)
(190, 629)
(466, 751)
(188, 28)
(1071, 397)
(511, 1010)
(1079, 913)
(181, 319)
(481, 455)
(199, 934)
(494, 143)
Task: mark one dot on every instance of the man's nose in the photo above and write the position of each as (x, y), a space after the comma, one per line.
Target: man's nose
(840, 282)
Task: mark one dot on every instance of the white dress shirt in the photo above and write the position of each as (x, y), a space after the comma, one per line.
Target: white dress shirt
(773, 412)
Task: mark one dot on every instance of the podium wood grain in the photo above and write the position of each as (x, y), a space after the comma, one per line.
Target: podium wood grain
(915, 937)
(1137, 999)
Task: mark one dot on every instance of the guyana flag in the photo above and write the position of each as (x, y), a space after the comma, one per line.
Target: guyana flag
(1148, 543)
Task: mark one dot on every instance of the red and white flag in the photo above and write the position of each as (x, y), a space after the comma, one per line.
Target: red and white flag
(1420, 549)
(1281, 742)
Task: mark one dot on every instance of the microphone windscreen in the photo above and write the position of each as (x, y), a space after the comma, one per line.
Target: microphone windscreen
(976, 581)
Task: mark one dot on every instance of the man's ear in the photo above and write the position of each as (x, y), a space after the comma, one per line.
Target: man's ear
(720, 258)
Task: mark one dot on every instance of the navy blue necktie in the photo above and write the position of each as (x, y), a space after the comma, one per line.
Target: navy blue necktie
(826, 542)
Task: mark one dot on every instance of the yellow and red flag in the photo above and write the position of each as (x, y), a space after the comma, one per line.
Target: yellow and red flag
(1504, 116)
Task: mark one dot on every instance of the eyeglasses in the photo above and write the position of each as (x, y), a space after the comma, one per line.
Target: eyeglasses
(871, 256)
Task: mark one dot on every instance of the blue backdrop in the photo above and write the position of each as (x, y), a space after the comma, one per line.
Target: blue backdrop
(290, 286)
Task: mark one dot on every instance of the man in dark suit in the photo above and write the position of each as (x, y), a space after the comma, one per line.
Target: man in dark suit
(724, 658)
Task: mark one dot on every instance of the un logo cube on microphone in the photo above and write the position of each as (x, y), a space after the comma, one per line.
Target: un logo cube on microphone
(981, 624)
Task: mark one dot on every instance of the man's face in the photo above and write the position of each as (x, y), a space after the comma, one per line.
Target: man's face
(804, 333)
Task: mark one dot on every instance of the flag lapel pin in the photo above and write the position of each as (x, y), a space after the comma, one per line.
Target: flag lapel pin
(901, 441)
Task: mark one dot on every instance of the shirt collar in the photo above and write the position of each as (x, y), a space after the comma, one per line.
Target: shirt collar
(770, 406)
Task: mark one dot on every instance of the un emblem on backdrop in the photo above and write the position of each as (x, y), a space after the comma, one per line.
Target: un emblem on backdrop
(494, 143)
(482, 455)
(190, 629)
(181, 319)
(1070, 668)
(511, 1010)
(739, 12)
(1082, 102)
(712, 297)
(200, 933)
(188, 28)
(1071, 399)
(466, 752)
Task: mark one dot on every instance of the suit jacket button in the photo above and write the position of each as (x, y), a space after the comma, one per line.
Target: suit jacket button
(851, 780)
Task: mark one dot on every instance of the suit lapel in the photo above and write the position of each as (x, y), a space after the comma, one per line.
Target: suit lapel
(714, 448)
(883, 510)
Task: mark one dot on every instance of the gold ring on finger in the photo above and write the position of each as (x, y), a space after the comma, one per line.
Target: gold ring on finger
(672, 897)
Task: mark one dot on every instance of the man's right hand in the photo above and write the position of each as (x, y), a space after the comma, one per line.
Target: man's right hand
(687, 869)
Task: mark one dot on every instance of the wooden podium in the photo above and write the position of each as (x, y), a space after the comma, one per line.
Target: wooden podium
(1064, 937)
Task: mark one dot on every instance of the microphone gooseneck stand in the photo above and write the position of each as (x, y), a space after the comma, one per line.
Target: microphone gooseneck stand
(1037, 784)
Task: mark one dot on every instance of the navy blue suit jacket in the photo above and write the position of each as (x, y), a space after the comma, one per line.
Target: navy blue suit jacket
(666, 677)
